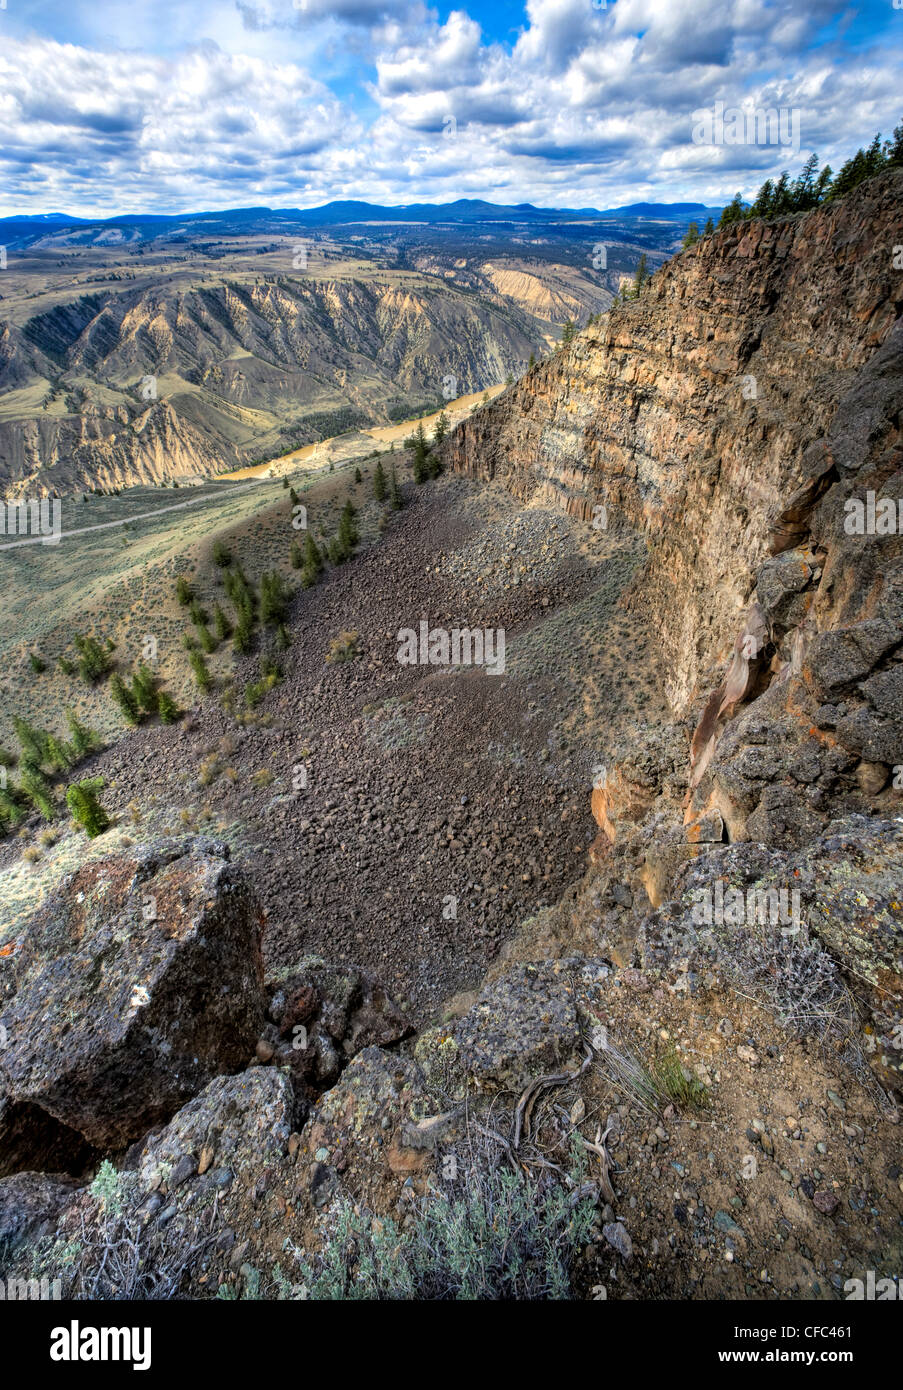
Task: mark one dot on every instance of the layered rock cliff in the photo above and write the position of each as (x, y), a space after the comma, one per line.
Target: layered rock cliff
(696, 411)
(744, 415)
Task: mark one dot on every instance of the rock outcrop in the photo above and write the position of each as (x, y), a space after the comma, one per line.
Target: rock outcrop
(130, 988)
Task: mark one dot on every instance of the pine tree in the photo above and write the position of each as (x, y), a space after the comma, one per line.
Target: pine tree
(295, 555)
(709, 227)
(313, 563)
(38, 790)
(273, 598)
(532, 362)
(84, 740)
(221, 556)
(32, 742)
(244, 631)
(144, 689)
(567, 332)
(11, 810)
(642, 275)
(201, 674)
(421, 453)
(167, 708)
(183, 591)
(379, 483)
(312, 557)
(803, 189)
(895, 148)
(691, 237)
(93, 660)
(84, 807)
(58, 755)
(441, 430)
(206, 638)
(221, 624)
(125, 699)
(36, 664)
(396, 500)
(733, 212)
(764, 200)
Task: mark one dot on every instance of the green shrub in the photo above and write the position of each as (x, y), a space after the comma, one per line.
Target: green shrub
(496, 1235)
(32, 742)
(84, 740)
(167, 708)
(93, 659)
(125, 698)
(84, 807)
(38, 790)
(274, 599)
(201, 673)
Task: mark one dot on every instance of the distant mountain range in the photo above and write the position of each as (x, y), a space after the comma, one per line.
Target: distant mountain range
(345, 213)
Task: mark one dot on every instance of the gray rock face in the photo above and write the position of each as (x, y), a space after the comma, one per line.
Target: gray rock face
(734, 907)
(521, 1025)
(781, 586)
(132, 986)
(237, 1123)
(30, 1202)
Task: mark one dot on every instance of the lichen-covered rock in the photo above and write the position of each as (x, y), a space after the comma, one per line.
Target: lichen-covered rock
(520, 1026)
(781, 587)
(132, 986)
(843, 891)
(324, 1015)
(362, 1122)
(237, 1124)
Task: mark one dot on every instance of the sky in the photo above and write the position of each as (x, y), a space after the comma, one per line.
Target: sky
(166, 106)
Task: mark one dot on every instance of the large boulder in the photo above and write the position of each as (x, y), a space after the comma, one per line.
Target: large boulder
(236, 1126)
(130, 987)
(521, 1025)
(361, 1128)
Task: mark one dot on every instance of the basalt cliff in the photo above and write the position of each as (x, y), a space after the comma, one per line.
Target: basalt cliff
(743, 415)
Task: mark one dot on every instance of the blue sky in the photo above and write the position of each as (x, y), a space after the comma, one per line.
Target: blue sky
(163, 105)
